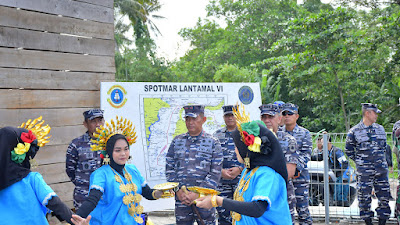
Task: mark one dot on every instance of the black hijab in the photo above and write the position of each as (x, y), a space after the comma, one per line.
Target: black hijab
(271, 154)
(110, 148)
(10, 171)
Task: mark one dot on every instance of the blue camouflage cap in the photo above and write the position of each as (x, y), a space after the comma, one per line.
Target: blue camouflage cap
(270, 109)
(93, 113)
(279, 104)
(370, 106)
(193, 110)
(290, 107)
(228, 109)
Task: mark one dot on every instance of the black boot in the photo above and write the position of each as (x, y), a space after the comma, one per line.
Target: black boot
(368, 221)
(382, 221)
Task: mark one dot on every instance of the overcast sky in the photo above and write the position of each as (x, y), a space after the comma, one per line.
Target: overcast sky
(178, 14)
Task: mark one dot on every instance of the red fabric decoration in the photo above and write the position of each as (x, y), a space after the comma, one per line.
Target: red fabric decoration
(101, 156)
(28, 137)
(248, 139)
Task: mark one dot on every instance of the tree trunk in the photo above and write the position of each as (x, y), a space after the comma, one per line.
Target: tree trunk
(346, 123)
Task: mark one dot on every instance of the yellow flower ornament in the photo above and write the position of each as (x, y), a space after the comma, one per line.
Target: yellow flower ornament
(255, 147)
(22, 148)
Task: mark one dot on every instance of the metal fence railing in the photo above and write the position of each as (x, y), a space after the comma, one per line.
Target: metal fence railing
(327, 206)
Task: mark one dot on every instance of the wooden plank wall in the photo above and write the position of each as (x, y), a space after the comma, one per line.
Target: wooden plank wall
(53, 56)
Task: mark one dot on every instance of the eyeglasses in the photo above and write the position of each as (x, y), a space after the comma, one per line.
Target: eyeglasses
(287, 113)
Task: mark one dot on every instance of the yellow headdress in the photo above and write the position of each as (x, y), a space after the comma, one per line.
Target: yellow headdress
(120, 126)
(249, 131)
(241, 117)
(38, 130)
(35, 138)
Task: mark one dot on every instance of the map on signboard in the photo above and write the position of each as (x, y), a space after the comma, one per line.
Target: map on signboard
(164, 119)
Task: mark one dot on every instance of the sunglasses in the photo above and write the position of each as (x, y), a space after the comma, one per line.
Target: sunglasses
(287, 113)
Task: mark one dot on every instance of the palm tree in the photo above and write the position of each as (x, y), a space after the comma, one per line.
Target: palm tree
(139, 13)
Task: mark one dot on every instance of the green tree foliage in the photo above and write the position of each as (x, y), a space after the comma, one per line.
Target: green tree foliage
(139, 13)
(232, 73)
(336, 60)
(250, 28)
(326, 60)
(139, 63)
(368, 4)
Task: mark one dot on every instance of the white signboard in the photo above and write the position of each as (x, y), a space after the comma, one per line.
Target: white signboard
(156, 109)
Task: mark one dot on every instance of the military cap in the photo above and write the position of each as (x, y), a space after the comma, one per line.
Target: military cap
(193, 110)
(279, 104)
(370, 106)
(270, 109)
(228, 109)
(290, 107)
(93, 113)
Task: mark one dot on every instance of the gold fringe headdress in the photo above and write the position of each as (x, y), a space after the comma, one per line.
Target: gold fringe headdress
(249, 130)
(119, 126)
(36, 137)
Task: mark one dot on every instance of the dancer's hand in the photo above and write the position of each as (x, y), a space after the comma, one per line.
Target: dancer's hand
(204, 202)
(77, 220)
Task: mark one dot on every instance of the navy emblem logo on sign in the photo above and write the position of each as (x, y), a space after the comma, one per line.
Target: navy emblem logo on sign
(246, 95)
(117, 96)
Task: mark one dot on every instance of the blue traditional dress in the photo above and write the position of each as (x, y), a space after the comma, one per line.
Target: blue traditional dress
(28, 199)
(265, 185)
(111, 209)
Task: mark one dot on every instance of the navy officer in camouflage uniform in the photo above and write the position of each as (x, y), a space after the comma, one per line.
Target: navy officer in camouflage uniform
(395, 140)
(80, 160)
(339, 165)
(396, 143)
(271, 116)
(366, 145)
(290, 113)
(193, 159)
(231, 167)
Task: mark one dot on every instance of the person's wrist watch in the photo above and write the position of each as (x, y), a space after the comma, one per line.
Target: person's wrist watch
(176, 189)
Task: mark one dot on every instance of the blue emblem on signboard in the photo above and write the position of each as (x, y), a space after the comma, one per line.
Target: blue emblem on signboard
(246, 95)
(117, 95)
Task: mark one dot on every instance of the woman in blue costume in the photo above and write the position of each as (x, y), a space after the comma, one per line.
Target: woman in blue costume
(261, 196)
(116, 189)
(25, 198)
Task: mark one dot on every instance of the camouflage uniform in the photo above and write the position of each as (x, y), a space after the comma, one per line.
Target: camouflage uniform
(80, 163)
(194, 161)
(302, 183)
(290, 150)
(395, 126)
(366, 146)
(340, 166)
(227, 187)
(395, 141)
(396, 150)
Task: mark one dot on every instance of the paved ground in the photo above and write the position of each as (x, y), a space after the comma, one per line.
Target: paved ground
(167, 218)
